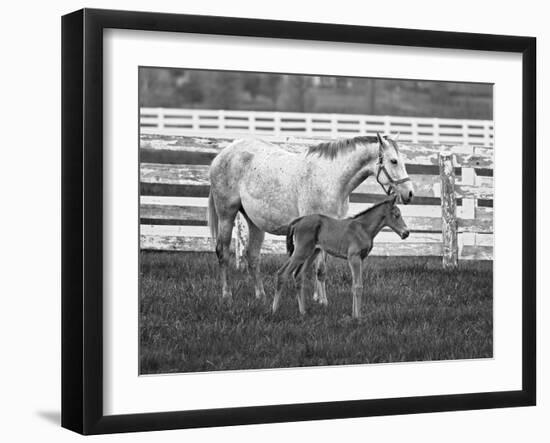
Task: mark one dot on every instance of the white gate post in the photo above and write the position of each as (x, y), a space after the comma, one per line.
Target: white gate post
(448, 210)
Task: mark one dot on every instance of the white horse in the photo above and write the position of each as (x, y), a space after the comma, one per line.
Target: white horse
(272, 185)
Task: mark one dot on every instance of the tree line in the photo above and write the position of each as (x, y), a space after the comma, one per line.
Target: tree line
(184, 88)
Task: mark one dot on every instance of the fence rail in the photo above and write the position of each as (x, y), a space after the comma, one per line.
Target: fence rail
(171, 121)
(174, 189)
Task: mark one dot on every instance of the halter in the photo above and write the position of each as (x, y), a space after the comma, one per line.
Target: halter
(382, 168)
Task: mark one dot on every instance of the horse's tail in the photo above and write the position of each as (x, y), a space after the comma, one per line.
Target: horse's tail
(212, 218)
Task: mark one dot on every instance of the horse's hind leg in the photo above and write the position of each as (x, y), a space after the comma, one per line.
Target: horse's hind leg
(255, 240)
(320, 291)
(226, 221)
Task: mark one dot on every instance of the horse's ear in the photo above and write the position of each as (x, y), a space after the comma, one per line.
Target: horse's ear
(396, 136)
(380, 140)
(393, 199)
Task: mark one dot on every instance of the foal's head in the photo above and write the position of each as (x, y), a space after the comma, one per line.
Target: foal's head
(393, 219)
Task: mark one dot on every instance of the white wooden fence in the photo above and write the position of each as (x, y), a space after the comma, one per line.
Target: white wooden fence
(457, 225)
(170, 121)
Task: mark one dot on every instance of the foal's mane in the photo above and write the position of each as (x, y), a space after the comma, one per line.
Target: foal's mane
(332, 149)
(376, 205)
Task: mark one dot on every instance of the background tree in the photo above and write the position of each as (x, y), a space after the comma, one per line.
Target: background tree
(252, 83)
(189, 88)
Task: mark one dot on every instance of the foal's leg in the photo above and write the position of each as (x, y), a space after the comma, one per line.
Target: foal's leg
(255, 240)
(355, 264)
(281, 278)
(301, 295)
(320, 291)
(304, 250)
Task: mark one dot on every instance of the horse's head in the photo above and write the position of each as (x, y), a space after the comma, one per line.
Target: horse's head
(391, 173)
(393, 219)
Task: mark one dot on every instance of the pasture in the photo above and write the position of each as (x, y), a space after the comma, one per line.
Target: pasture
(413, 310)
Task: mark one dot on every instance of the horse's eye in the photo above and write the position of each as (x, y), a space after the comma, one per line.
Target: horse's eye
(393, 161)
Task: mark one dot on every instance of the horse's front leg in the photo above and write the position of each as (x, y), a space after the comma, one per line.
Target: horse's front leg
(355, 264)
(301, 294)
(280, 280)
(320, 291)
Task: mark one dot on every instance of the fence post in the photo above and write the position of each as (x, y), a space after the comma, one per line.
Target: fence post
(195, 121)
(448, 210)
(221, 120)
(333, 126)
(240, 241)
(414, 132)
(160, 118)
(435, 123)
(277, 123)
(487, 141)
(387, 125)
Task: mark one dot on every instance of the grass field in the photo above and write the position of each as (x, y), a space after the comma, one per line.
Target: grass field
(413, 310)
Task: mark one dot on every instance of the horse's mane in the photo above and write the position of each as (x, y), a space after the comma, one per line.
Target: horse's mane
(332, 149)
(376, 205)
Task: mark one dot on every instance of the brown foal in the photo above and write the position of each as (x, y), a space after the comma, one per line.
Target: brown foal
(350, 238)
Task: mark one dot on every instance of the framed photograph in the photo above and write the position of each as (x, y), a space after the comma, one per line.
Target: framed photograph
(269, 221)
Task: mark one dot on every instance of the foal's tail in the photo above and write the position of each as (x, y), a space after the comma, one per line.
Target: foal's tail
(290, 237)
(212, 218)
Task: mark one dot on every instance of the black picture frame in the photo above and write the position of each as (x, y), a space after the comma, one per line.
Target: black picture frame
(82, 220)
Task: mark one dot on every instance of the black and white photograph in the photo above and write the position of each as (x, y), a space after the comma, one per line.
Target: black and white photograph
(307, 220)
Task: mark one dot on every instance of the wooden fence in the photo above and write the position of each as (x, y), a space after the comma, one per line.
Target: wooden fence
(169, 121)
(453, 199)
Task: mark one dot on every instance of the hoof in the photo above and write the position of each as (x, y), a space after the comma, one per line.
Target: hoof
(260, 295)
(227, 296)
(351, 320)
(242, 266)
(321, 300)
